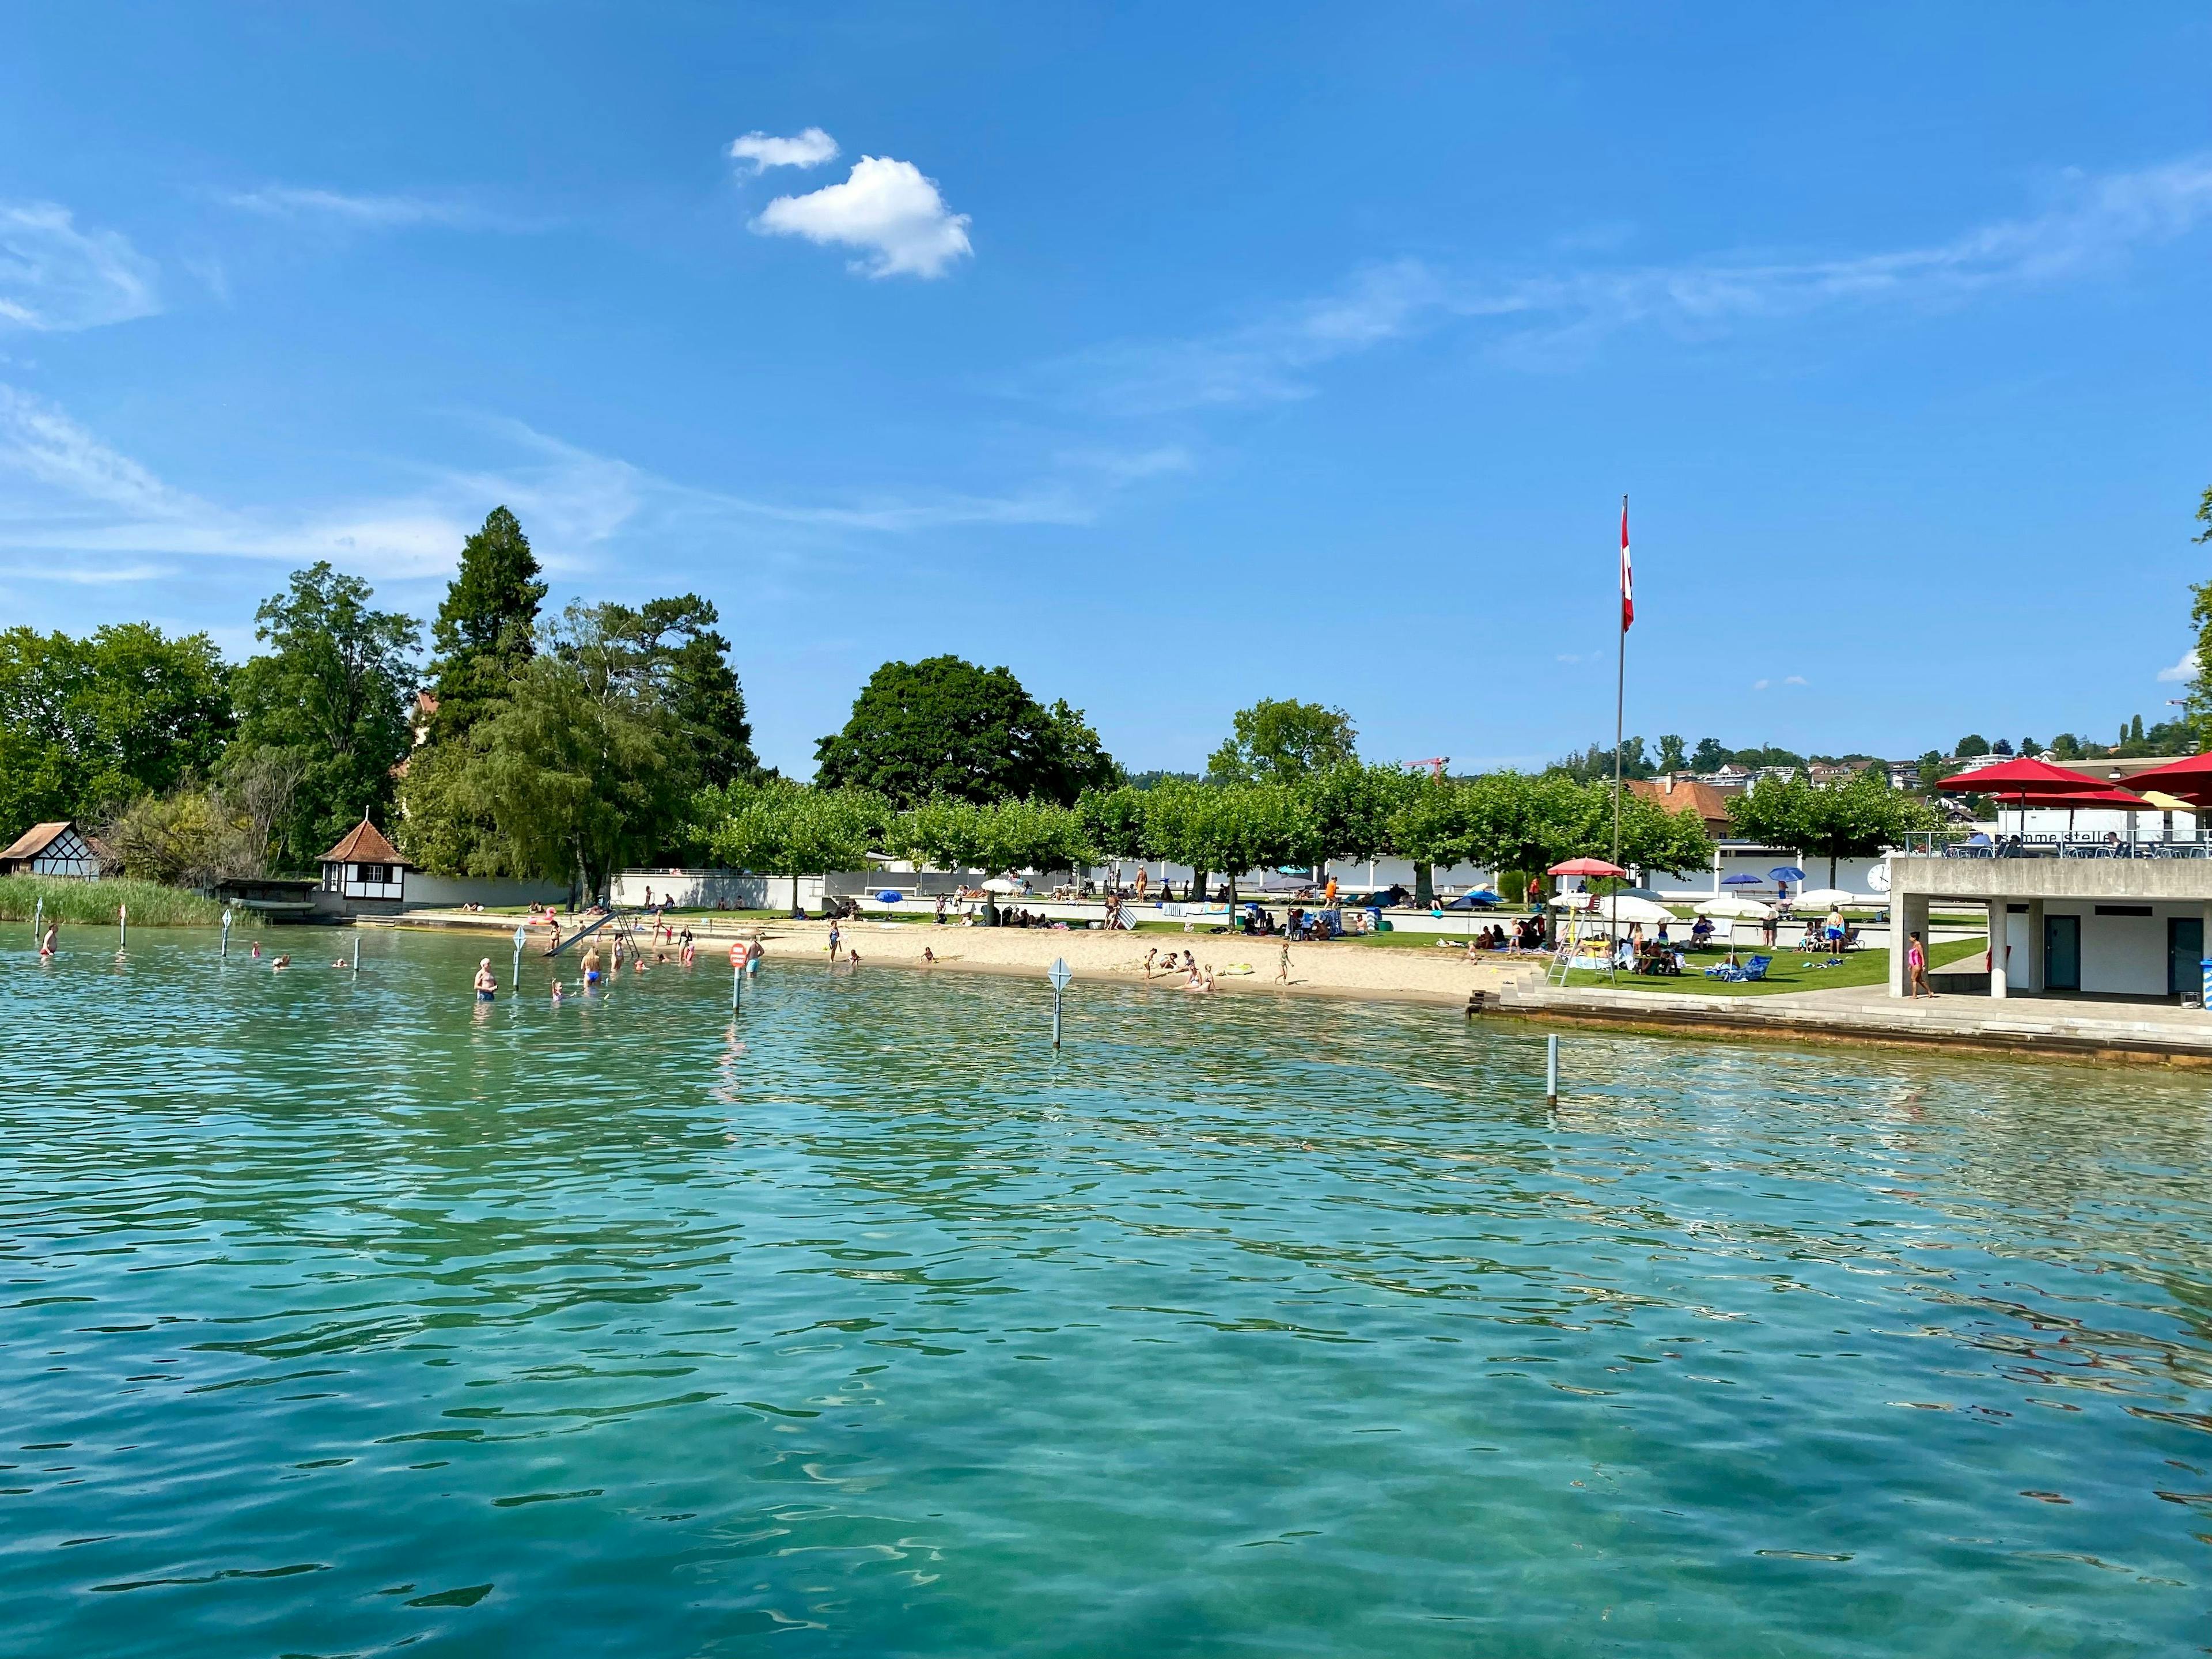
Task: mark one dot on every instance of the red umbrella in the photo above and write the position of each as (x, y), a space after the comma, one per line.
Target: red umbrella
(2022, 776)
(2189, 780)
(1586, 867)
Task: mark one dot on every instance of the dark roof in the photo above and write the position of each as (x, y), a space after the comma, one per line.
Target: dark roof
(36, 839)
(365, 844)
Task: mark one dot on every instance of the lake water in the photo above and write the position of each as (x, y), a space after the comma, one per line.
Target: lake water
(342, 1315)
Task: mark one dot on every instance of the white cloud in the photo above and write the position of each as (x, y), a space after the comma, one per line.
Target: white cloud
(2182, 673)
(86, 576)
(1760, 685)
(2092, 223)
(65, 492)
(887, 208)
(1795, 679)
(54, 277)
(363, 212)
(810, 148)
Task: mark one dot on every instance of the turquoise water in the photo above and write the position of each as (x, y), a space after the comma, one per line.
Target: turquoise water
(343, 1315)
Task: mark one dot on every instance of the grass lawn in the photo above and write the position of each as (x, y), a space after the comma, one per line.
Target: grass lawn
(1790, 972)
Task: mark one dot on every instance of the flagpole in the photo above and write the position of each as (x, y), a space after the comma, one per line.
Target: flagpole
(1620, 698)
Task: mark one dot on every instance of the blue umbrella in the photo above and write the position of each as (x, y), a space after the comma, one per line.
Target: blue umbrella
(888, 896)
(1740, 881)
(1786, 872)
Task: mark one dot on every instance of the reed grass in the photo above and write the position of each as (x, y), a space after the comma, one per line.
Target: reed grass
(92, 903)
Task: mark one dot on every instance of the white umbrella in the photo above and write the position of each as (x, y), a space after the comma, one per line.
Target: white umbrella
(1000, 885)
(1572, 901)
(1735, 910)
(1619, 906)
(1821, 898)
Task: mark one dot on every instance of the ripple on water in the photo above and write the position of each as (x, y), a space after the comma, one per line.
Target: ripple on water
(343, 1315)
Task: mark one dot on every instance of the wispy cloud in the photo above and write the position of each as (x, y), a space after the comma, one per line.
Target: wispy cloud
(55, 276)
(886, 209)
(2182, 673)
(361, 212)
(64, 490)
(86, 576)
(761, 151)
(2091, 224)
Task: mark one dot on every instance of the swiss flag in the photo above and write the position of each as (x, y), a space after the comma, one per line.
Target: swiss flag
(1627, 581)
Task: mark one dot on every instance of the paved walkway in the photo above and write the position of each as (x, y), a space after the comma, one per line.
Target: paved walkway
(2042, 1025)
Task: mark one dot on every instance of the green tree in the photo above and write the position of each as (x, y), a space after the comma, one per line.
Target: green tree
(332, 694)
(1708, 756)
(1855, 818)
(1280, 741)
(944, 726)
(1113, 821)
(1432, 822)
(2030, 747)
(1671, 757)
(773, 826)
(2199, 705)
(583, 767)
(1971, 744)
(89, 725)
(486, 627)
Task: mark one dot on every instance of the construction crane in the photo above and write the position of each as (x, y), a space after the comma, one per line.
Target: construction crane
(1436, 763)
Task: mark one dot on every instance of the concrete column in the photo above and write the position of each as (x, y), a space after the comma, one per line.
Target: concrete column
(1908, 914)
(2000, 937)
(2207, 929)
(2037, 970)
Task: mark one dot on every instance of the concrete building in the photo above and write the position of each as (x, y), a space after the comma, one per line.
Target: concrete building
(2124, 928)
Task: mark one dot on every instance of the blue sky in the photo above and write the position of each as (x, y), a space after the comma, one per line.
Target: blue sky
(1173, 356)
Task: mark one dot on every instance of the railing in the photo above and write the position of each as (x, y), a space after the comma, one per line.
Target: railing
(2064, 847)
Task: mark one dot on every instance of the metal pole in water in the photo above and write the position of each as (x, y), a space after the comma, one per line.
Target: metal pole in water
(1058, 974)
(223, 954)
(38, 918)
(737, 978)
(357, 955)
(1551, 1069)
(122, 914)
(521, 938)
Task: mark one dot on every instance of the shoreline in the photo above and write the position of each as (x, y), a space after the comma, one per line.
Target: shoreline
(1509, 987)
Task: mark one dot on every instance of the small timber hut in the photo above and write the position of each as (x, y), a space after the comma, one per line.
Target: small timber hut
(52, 849)
(363, 873)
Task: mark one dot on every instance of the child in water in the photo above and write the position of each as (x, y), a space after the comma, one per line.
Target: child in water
(556, 994)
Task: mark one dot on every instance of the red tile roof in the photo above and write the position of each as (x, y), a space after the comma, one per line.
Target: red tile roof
(1707, 802)
(365, 844)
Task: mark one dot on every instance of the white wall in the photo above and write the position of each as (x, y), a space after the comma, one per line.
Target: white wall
(419, 887)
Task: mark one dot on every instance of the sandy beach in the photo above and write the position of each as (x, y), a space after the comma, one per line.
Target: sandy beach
(1433, 973)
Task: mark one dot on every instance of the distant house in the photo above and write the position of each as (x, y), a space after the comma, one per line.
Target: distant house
(53, 849)
(364, 871)
(1676, 794)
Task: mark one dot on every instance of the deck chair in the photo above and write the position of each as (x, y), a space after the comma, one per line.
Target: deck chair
(1755, 968)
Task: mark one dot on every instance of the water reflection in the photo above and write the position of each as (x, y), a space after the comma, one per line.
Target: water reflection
(348, 1313)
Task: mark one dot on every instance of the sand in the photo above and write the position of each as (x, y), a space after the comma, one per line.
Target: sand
(1428, 974)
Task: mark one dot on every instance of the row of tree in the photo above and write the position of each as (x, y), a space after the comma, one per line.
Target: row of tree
(1503, 822)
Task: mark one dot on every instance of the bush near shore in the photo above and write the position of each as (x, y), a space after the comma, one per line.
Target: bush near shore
(92, 903)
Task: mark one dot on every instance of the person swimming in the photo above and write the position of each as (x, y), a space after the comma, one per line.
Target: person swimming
(280, 965)
(46, 945)
(487, 984)
(591, 965)
(257, 950)
(557, 991)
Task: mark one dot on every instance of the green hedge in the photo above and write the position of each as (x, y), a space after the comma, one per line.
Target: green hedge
(92, 903)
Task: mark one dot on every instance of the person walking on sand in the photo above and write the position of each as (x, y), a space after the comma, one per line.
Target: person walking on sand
(1149, 955)
(1283, 967)
(1916, 963)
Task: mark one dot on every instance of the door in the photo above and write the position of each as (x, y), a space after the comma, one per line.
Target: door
(2062, 953)
(2184, 956)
